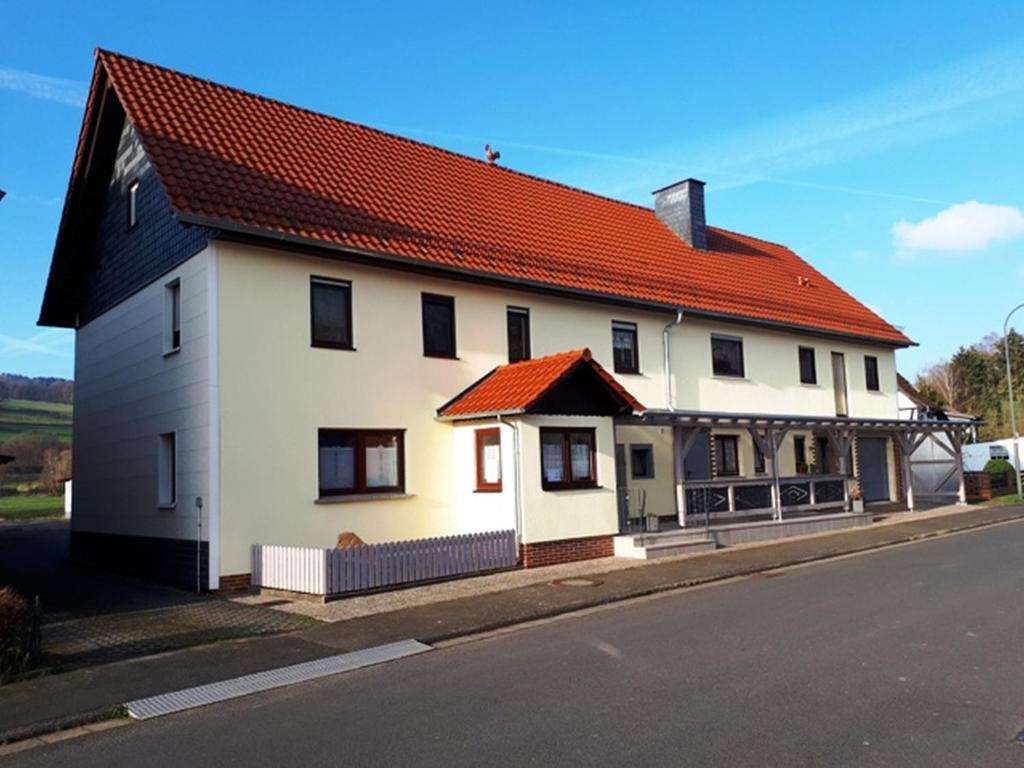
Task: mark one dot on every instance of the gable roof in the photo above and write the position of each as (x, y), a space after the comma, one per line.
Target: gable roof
(246, 164)
(518, 388)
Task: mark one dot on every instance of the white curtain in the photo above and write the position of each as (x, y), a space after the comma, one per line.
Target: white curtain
(492, 462)
(381, 466)
(581, 461)
(552, 460)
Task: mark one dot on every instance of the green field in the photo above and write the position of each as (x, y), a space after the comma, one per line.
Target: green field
(20, 416)
(27, 507)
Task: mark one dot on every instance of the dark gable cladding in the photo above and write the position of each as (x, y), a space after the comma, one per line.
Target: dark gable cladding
(98, 261)
(123, 260)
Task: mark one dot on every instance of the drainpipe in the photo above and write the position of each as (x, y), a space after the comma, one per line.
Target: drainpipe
(515, 477)
(667, 351)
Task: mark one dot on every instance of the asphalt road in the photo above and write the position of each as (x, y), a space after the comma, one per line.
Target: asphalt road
(910, 656)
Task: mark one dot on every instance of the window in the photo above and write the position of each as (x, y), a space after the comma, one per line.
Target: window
(172, 317)
(518, 322)
(167, 470)
(641, 459)
(839, 383)
(330, 310)
(568, 459)
(727, 356)
(133, 204)
(361, 461)
(824, 462)
(625, 353)
(800, 451)
(808, 368)
(488, 459)
(438, 325)
(759, 467)
(871, 372)
(727, 463)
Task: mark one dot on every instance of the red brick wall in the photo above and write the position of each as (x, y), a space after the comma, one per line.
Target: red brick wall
(565, 551)
(978, 486)
(238, 582)
(901, 492)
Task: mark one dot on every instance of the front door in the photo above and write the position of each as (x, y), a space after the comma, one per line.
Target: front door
(874, 468)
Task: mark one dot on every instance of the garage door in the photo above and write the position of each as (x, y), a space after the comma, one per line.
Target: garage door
(874, 469)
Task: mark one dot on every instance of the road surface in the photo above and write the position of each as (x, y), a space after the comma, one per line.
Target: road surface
(909, 656)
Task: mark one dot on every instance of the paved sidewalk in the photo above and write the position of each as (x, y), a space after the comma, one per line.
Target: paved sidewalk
(58, 701)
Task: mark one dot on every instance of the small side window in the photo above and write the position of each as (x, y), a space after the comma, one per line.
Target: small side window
(167, 470)
(133, 204)
(871, 373)
(172, 316)
(641, 459)
(808, 366)
(625, 354)
(488, 460)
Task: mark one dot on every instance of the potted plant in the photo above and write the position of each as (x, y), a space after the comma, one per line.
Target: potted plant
(857, 500)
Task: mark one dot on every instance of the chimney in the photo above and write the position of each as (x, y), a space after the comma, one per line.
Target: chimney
(680, 207)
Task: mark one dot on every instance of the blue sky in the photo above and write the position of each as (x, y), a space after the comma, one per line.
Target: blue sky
(882, 142)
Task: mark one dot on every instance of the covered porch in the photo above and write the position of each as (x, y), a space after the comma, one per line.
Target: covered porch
(834, 458)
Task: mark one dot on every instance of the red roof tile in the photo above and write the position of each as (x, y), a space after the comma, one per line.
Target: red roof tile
(230, 157)
(516, 387)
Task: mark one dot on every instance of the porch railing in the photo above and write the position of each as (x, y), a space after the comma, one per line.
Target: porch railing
(738, 497)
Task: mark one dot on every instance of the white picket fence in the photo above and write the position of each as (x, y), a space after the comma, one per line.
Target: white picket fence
(335, 571)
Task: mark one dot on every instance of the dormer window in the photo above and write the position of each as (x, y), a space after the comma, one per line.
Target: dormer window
(133, 204)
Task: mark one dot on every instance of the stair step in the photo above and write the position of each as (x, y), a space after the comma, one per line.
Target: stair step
(652, 546)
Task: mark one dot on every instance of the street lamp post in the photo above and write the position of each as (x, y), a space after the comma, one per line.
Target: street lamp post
(1009, 388)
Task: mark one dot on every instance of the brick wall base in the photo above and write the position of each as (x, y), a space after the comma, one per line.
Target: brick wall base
(565, 551)
(236, 582)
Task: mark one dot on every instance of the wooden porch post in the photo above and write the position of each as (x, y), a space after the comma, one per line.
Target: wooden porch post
(957, 438)
(841, 441)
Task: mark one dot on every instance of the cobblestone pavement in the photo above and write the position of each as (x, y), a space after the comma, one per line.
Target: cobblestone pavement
(112, 637)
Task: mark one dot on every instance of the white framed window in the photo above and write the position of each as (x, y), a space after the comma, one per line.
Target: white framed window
(133, 204)
(167, 470)
(172, 316)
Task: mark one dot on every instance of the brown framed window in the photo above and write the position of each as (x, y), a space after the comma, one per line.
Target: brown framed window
(330, 305)
(438, 325)
(518, 324)
(568, 458)
(808, 366)
(625, 352)
(362, 461)
(759, 465)
(727, 457)
(727, 356)
(871, 373)
(488, 460)
(800, 453)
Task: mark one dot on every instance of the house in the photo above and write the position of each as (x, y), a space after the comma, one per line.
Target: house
(291, 327)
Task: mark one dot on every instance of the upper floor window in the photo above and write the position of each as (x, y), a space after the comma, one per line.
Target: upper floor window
(518, 325)
(625, 352)
(361, 461)
(568, 458)
(727, 462)
(133, 204)
(871, 373)
(727, 356)
(488, 459)
(330, 303)
(808, 366)
(172, 316)
(438, 325)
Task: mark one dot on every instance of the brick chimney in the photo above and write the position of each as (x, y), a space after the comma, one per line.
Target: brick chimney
(680, 207)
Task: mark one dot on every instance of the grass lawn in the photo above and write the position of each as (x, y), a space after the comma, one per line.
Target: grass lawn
(27, 507)
(1009, 498)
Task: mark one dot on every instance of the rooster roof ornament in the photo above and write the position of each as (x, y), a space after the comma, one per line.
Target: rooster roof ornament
(493, 155)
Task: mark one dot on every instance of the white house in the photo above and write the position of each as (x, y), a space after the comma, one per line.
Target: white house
(290, 326)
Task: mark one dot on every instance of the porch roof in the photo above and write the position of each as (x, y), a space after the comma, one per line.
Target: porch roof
(665, 417)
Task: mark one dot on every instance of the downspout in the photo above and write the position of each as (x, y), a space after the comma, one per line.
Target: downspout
(667, 351)
(518, 504)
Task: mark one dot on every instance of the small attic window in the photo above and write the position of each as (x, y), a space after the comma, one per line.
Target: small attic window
(133, 204)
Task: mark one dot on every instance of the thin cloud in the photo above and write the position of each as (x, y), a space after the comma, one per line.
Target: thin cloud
(52, 342)
(57, 89)
(960, 228)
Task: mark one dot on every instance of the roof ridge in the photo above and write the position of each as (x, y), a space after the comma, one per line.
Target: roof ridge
(372, 129)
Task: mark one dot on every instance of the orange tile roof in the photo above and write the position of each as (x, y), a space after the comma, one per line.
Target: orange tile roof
(516, 387)
(234, 159)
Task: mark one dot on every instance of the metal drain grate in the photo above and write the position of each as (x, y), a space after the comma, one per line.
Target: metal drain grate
(200, 696)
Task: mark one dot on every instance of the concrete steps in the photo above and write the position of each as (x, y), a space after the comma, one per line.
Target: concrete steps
(650, 546)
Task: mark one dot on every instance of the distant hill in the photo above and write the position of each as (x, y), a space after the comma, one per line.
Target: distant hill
(29, 417)
(42, 389)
